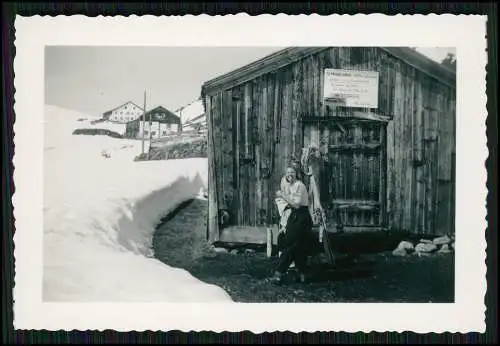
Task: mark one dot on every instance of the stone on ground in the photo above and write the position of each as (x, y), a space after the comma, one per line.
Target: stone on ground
(445, 249)
(442, 240)
(425, 248)
(403, 249)
(220, 250)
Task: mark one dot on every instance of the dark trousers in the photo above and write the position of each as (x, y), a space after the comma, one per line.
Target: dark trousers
(293, 243)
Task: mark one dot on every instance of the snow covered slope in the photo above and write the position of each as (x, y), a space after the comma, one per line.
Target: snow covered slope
(99, 216)
(191, 110)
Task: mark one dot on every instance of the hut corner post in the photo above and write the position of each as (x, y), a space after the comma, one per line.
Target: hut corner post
(213, 224)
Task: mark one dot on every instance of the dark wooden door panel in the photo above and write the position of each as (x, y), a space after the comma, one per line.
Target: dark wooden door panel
(352, 175)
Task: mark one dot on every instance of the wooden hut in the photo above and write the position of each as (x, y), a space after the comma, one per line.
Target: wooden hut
(382, 119)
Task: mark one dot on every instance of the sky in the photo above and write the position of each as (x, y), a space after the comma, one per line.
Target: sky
(95, 79)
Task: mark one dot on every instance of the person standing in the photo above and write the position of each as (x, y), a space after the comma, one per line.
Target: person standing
(293, 243)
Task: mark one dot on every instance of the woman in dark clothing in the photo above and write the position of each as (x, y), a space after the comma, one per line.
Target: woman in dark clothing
(293, 242)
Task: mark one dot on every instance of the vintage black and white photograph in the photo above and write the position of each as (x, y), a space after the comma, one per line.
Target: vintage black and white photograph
(249, 174)
(252, 174)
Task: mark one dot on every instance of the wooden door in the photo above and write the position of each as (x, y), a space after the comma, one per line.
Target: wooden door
(352, 178)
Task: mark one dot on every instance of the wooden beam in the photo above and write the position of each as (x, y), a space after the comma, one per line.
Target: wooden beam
(355, 205)
(248, 234)
(259, 235)
(372, 116)
(348, 147)
(213, 220)
(361, 229)
(355, 202)
(269, 247)
(355, 117)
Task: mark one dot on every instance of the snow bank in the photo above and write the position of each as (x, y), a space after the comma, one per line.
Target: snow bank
(100, 214)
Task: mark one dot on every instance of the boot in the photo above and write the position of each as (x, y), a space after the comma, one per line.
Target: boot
(301, 277)
(277, 278)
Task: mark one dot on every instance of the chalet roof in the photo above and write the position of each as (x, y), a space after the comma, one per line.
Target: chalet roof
(170, 117)
(126, 103)
(290, 55)
(163, 110)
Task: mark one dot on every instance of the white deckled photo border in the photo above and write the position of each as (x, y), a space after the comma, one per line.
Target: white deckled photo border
(466, 33)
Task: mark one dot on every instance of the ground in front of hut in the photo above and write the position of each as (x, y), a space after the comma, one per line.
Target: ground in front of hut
(372, 277)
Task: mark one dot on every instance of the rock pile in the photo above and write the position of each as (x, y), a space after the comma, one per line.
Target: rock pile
(180, 151)
(425, 247)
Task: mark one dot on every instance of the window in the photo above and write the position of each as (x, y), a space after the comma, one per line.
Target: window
(153, 133)
(146, 133)
(164, 133)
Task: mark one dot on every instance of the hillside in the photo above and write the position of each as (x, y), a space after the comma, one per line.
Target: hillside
(193, 116)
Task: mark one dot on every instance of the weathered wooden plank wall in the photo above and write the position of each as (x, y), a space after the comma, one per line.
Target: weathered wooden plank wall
(256, 130)
(419, 152)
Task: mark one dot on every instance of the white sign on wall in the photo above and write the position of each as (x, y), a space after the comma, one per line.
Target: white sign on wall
(351, 88)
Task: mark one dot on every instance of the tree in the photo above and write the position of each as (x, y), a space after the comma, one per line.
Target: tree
(450, 61)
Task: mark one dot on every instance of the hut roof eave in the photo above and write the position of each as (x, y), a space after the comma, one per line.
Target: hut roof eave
(289, 55)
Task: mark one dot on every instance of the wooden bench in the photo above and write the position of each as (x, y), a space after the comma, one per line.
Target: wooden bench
(268, 236)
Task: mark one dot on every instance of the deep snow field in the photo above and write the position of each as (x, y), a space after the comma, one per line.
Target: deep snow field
(100, 211)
